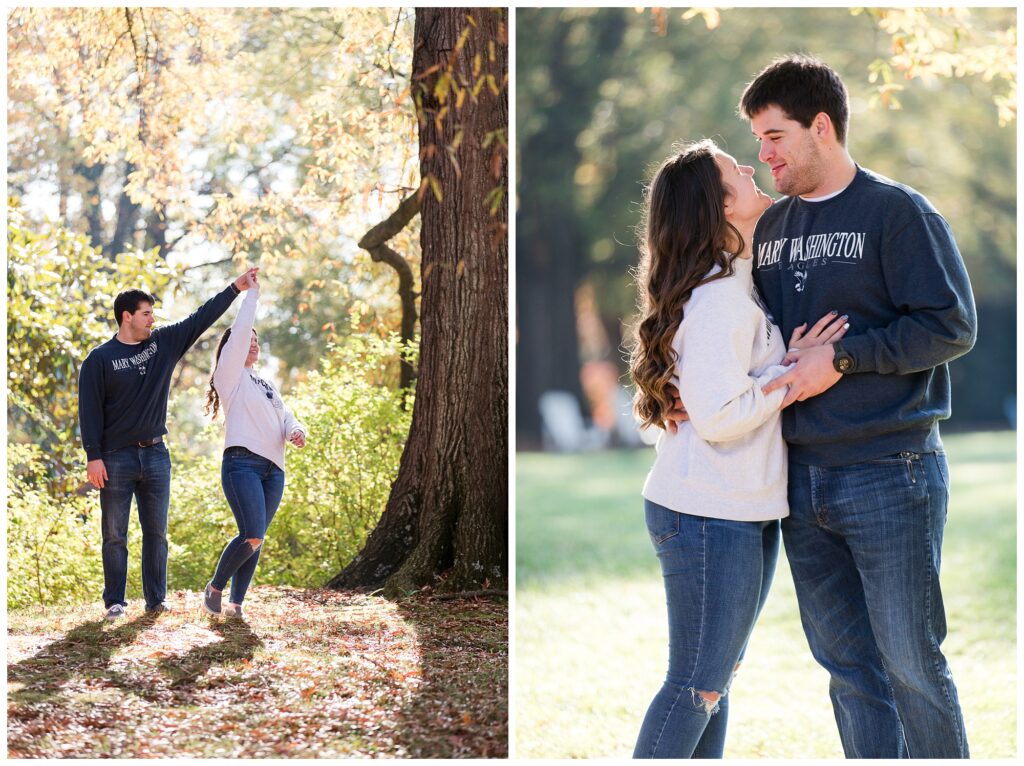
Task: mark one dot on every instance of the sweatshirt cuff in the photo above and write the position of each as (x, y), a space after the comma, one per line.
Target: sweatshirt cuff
(94, 454)
(859, 349)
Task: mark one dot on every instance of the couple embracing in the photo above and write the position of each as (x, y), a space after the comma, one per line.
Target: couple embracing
(123, 389)
(829, 441)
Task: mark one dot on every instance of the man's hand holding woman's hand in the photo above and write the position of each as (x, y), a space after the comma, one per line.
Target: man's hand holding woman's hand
(814, 375)
(812, 353)
(248, 279)
(826, 330)
(298, 438)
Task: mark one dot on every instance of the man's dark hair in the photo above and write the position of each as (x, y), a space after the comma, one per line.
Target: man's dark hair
(129, 301)
(802, 86)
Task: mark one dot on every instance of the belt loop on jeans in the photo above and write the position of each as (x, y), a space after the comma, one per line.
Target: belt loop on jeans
(149, 442)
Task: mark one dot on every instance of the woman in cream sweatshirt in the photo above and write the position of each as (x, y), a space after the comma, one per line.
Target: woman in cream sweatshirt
(257, 427)
(716, 492)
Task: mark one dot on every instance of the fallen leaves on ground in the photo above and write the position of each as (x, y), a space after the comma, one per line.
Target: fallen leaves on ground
(311, 674)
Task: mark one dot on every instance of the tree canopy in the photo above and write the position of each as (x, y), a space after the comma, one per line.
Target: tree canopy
(263, 135)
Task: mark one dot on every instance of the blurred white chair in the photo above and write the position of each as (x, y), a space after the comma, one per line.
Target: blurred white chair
(563, 428)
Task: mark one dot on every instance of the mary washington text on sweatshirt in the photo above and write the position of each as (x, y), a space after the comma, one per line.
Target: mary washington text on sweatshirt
(123, 388)
(728, 461)
(879, 252)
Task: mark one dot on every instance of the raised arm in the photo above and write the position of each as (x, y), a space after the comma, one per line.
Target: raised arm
(236, 347)
(181, 336)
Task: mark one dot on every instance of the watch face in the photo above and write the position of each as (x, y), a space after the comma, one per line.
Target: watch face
(844, 363)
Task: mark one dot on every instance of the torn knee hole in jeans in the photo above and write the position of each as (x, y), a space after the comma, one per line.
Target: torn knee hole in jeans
(708, 701)
(254, 543)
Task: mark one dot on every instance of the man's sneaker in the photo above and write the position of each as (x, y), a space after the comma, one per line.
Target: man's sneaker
(234, 610)
(158, 609)
(115, 612)
(211, 599)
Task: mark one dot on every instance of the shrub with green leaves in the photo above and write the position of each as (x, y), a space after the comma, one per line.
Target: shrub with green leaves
(338, 484)
(53, 535)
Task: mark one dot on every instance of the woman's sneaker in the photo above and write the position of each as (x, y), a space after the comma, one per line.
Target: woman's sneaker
(211, 599)
(234, 610)
(115, 612)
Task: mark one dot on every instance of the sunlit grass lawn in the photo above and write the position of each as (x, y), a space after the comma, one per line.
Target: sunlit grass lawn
(591, 631)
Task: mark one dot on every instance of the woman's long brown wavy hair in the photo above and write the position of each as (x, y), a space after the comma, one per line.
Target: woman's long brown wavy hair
(682, 235)
(212, 404)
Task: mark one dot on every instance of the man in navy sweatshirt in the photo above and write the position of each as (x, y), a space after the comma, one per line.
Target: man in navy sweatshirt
(122, 411)
(868, 481)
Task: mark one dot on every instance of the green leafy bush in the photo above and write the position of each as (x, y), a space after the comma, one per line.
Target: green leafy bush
(60, 299)
(338, 485)
(53, 535)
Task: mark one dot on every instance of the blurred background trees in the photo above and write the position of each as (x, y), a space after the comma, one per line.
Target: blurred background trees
(602, 94)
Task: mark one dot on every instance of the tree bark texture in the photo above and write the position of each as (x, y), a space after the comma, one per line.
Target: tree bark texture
(127, 217)
(447, 516)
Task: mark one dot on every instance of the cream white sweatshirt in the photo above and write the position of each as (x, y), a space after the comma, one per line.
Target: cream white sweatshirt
(254, 414)
(728, 461)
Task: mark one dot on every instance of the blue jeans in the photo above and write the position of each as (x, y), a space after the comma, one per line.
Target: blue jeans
(864, 543)
(253, 486)
(145, 474)
(717, 574)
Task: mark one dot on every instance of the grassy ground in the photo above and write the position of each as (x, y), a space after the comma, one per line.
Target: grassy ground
(590, 625)
(313, 674)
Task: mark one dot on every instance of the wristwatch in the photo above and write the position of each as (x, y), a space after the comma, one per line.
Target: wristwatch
(841, 361)
(235, 288)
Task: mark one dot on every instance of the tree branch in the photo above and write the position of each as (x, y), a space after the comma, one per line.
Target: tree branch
(375, 243)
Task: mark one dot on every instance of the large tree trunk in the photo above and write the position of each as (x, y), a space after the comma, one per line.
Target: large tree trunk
(447, 516)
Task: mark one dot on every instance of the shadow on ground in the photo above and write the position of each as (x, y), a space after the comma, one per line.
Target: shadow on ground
(84, 654)
(461, 708)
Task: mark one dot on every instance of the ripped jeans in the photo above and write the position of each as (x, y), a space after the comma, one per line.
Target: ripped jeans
(717, 573)
(253, 487)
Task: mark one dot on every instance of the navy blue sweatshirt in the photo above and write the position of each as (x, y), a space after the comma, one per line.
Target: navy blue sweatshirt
(879, 252)
(123, 389)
